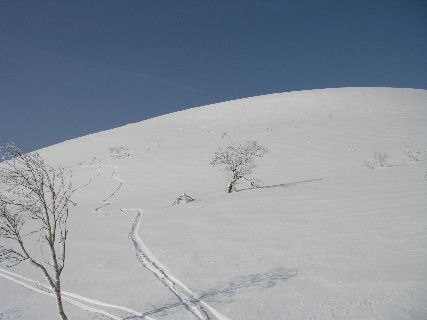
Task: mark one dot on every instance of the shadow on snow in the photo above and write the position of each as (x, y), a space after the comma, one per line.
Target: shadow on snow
(225, 292)
(282, 185)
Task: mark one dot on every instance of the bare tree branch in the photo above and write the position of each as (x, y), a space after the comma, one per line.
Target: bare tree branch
(35, 197)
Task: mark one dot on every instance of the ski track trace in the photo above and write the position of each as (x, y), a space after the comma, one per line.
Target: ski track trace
(113, 176)
(79, 301)
(73, 298)
(198, 308)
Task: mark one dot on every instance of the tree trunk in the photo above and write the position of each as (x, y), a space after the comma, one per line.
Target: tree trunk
(230, 188)
(59, 300)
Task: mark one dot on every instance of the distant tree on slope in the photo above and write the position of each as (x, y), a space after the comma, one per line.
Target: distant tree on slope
(34, 206)
(238, 161)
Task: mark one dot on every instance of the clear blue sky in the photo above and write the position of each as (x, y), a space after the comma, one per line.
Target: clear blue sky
(69, 68)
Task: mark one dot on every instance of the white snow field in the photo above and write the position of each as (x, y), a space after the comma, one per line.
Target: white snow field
(325, 237)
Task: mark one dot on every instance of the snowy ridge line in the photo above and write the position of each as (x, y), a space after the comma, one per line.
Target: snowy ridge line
(45, 289)
(148, 260)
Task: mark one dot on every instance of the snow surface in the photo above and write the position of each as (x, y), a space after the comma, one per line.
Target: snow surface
(326, 237)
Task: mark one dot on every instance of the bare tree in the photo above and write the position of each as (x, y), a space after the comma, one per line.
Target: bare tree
(34, 205)
(239, 161)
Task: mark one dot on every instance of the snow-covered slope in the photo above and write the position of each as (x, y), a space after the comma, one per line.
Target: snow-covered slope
(326, 237)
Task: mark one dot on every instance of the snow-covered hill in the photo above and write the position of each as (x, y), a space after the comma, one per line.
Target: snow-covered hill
(325, 237)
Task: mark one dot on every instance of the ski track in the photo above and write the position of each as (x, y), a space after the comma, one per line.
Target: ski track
(194, 305)
(113, 177)
(98, 172)
(185, 295)
(69, 297)
(45, 287)
(99, 167)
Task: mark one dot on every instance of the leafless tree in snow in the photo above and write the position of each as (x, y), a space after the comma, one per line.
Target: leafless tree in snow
(35, 199)
(238, 161)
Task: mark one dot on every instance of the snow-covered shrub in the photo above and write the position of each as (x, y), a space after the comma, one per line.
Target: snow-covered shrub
(184, 198)
(410, 154)
(119, 152)
(378, 160)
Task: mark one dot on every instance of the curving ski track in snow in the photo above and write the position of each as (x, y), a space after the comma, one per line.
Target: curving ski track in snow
(72, 298)
(113, 177)
(99, 167)
(97, 174)
(184, 294)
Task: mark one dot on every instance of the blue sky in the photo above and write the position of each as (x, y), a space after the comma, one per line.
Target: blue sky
(69, 68)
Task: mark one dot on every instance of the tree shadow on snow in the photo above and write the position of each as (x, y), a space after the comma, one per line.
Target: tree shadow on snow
(282, 185)
(225, 292)
(262, 280)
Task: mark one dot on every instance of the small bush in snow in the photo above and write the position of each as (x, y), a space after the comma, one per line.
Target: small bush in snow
(378, 160)
(238, 161)
(184, 198)
(410, 154)
(119, 152)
